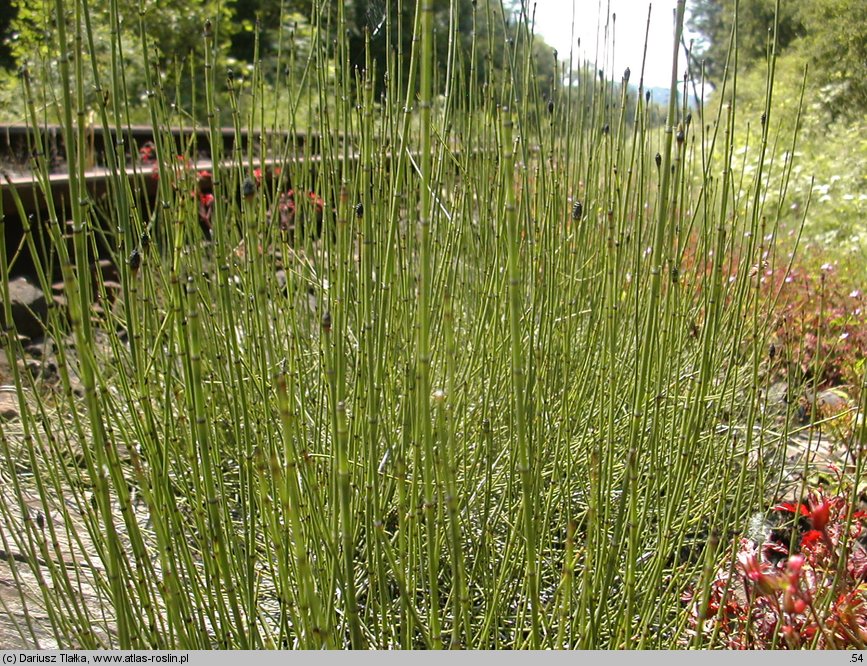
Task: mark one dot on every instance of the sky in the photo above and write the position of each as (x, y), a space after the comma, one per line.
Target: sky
(554, 24)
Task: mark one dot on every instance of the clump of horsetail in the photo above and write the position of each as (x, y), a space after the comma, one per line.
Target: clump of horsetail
(475, 398)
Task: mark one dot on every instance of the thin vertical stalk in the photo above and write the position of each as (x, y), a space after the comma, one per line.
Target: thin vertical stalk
(519, 407)
(424, 429)
(79, 295)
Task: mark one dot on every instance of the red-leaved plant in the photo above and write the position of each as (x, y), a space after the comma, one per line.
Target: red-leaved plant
(805, 586)
(821, 325)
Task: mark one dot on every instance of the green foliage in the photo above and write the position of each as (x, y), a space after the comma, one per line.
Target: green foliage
(836, 42)
(8, 11)
(265, 18)
(833, 162)
(485, 23)
(488, 404)
(286, 33)
(173, 31)
(829, 163)
(714, 19)
(830, 34)
(173, 27)
(35, 40)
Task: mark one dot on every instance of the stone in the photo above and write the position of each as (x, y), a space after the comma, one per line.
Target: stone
(776, 401)
(282, 280)
(40, 347)
(8, 406)
(829, 402)
(29, 308)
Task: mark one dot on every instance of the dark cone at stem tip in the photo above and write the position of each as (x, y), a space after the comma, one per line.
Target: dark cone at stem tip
(248, 189)
(577, 210)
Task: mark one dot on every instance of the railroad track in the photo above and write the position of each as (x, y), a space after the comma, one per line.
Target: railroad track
(18, 183)
(138, 165)
(16, 142)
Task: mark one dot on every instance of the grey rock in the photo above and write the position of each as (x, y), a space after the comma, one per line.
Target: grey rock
(29, 308)
(8, 406)
(282, 280)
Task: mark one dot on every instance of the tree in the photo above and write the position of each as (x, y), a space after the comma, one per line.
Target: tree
(8, 12)
(492, 25)
(830, 34)
(174, 30)
(835, 42)
(265, 18)
(713, 21)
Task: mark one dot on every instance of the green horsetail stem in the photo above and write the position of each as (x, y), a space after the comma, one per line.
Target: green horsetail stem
(487, 378)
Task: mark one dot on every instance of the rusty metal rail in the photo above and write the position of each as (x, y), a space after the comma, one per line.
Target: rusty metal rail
(17, 141)
(18, 182)
(96, 183)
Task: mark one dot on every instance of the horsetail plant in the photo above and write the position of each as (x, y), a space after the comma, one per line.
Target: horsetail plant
(440, 353)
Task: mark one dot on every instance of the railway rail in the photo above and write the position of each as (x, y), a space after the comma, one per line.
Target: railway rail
(245, 148)
(17, 141)
(138, 164)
